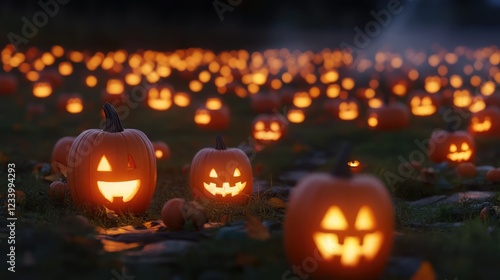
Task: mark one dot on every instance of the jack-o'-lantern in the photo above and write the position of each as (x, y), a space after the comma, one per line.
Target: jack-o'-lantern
(485, 122)
(213, 115)
(451, 146)
(302, 99)
(113, 167)
(462, 98)
(348, 110)
(392, 116)
(348, 227)
(162, 151)
(60, 153)
(42, 89)
(71, 103)
(477, 104)
(423, 104)
(182, 99)
(268, 128)
(296, 115)
(432, 84)
(159, 98)
(220, 173)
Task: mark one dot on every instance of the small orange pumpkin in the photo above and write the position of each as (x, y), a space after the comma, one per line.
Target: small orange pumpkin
(220, 173)
(60, 153)
(493, 175)
(162, 151)
(466, 169)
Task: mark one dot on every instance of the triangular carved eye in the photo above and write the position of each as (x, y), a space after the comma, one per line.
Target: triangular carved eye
(131, 163)
(365, 219)
(213, 174)
(334, 219)
(103, 164)
(237, 172)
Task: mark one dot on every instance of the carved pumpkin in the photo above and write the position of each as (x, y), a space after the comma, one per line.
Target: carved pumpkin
(451, 146)
(392, 116)
(268, 128)
(296, 115)
(485, 122)
(60, 153)
(112, 167)
(213, 115)
(423, 104)
(42, 89)
(162, 151)
(221, 173)
(159, 98)
(348, 110)
(432, 84)
(71, 103)
(302, 99)
(347, 229)
(462, 98)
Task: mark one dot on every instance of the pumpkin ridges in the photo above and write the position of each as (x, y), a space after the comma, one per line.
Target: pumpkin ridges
(113, 123)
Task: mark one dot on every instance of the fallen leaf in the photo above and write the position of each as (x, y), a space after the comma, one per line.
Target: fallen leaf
(424, 272)
(196, 214)
(51, 178)
(255, 228)
(111, 214)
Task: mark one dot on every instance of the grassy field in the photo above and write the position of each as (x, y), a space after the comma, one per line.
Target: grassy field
(468, 252)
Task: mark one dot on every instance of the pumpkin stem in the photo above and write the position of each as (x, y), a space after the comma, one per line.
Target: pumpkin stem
(342, 169)
(113, 123)
(219, 142)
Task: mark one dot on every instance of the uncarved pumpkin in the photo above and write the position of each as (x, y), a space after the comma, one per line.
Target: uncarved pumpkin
(112, 167)
(60, 153)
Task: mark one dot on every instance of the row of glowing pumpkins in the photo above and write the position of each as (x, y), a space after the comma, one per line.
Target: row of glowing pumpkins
(127, 155)
(349, 232)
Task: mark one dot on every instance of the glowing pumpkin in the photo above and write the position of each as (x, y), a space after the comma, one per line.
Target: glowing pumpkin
(485, 122)
(348, 110)
(268, 128)
(422, 104)
(221, 173)
(302, 100)
(159, 98)
(112, 167)
(71, 103)
(213, 115)
(42, 89)
(162, 151)
(392, 116)
(296, 115)
(462, 98)
(347, 230)
(451, 146)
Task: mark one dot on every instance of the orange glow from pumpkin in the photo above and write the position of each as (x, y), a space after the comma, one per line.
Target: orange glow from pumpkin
(375, 103)
(132, 79)
(74, 105)
(296, 116)
(456, 81)
(353, 248)
(302, 100)
(65, 68)
(182, 99)
(42, 89)
(114, 86)
(432, 84)
(202, 116)
(422, 106)
(488, 88)
(372, 121)
(333, 91)
(348, 111)
(348, 83)
(195, 86)
(91, 81)
(213, 103)
(462, 98)
(159, 99)
(399, 89)
(158, 154)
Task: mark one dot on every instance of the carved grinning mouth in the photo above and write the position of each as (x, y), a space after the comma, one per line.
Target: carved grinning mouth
(225, 189)
(459, 156)
(350, 249)
(267, 135)
(124, 189)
